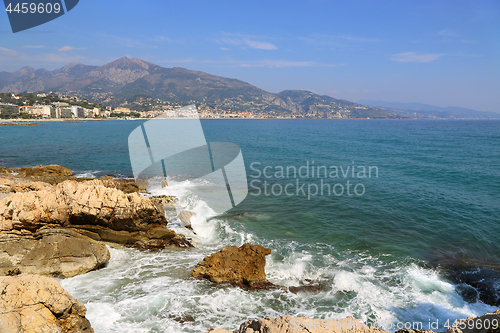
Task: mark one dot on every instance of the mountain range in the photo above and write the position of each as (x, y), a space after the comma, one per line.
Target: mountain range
(441, 112)
(125, 79)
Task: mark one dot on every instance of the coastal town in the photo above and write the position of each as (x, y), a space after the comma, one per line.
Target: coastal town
(54, 105)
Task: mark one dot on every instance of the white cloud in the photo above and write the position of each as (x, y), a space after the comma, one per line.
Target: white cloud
(260, 45)
(66, 49)
(245, 42)
(8, 53)
(163, 39)
(407, 57)
(254, 42)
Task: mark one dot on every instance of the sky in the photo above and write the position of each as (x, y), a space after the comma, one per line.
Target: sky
(444, 53)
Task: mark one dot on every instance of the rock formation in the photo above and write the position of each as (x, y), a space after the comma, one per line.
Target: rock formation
(55, 174)
(72, 203)
(50, 251)
(287, 324)
(33, 303)
(488, 323)
(243, 266)
(58, 230)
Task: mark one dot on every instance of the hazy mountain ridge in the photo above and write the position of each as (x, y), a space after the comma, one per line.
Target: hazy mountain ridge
(432, 110)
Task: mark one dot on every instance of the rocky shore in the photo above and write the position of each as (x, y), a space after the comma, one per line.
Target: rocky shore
(53, 224)
(287, 324)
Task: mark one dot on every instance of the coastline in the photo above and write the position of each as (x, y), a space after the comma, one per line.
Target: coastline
(265, 325)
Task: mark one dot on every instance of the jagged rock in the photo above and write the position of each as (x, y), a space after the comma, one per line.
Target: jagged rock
(56, 174)
(185, 217)
(159, 244)
(33, 303)
(50, 251)
(287, 324)
(6, 185)
(28, 187)
(243, 266)
(73, 203)
(164, 200)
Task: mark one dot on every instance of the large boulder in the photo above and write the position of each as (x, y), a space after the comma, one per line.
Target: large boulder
(243, 266)
(50, 251)
(33, 303)
(74, 203)
(287, 324)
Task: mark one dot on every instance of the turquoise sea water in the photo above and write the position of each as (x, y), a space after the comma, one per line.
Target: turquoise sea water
(432, 199)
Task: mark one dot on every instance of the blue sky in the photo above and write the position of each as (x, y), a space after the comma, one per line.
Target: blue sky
(445, 53)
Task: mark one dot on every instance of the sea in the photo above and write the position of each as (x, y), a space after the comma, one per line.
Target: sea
(373, 211)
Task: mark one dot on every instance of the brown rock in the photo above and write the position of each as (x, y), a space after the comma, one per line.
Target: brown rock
(243, 266)
(52, 252)
(32, 186)
(45, 170)
(164, 200)
(159, 244)
(32, 303)
(6, 185)
(73, 203)
(287, 324)
(142, 184)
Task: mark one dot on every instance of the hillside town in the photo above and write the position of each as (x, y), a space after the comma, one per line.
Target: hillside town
(55, 105)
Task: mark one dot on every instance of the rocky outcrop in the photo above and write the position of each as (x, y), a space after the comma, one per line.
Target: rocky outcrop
(55, 174)
(487, 323)
(287, 324)
(32, 303)
(50, 251)
(164, 200)
(58, 230)
(73, 203)
(243, 266)
(53, 170)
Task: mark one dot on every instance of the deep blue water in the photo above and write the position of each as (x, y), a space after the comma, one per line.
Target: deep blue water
(438, 184)
(435, 196)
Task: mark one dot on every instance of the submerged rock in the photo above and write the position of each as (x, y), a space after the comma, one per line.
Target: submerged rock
(476, 284)
(33, 303)
(243, 266)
